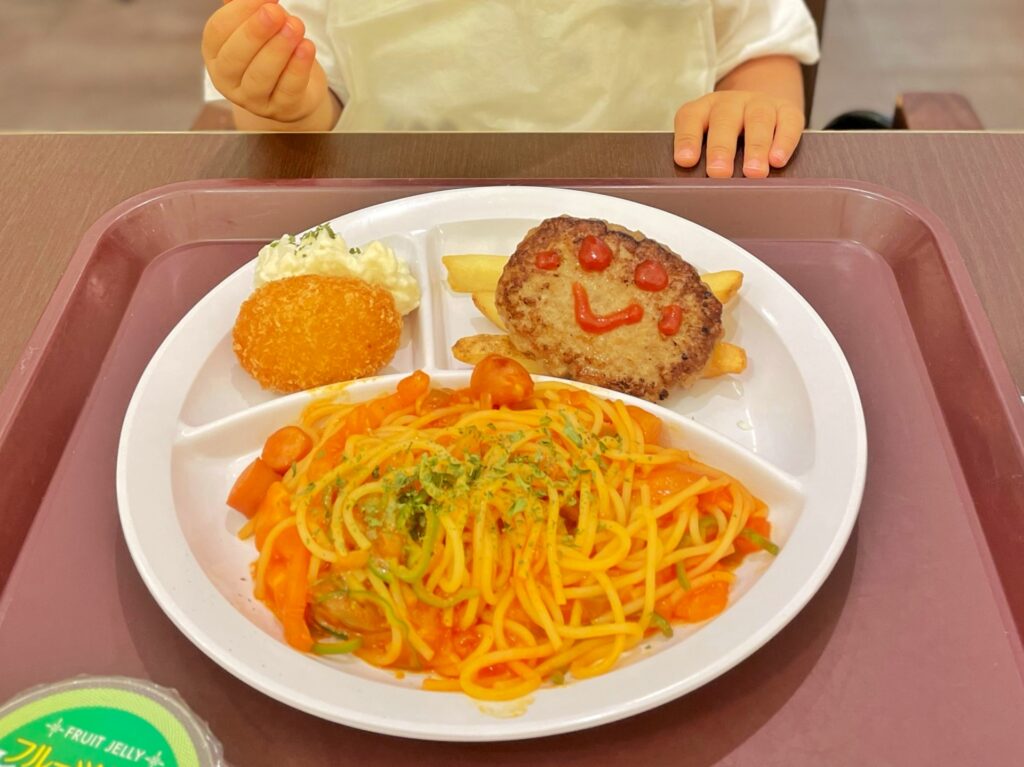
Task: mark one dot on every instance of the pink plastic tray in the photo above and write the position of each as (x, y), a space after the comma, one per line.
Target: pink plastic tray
(910, 654)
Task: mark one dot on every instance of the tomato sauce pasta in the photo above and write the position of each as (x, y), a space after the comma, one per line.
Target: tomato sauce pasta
(493, 538)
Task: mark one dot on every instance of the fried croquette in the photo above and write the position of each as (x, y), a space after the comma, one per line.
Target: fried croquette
(300, 332)
(536, 301)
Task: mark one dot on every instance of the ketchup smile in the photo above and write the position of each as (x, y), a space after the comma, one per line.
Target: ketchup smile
(594, 323)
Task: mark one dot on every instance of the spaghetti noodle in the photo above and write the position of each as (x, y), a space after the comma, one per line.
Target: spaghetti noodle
(495, 537)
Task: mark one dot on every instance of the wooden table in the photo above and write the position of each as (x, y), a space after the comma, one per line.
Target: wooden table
(54, 186)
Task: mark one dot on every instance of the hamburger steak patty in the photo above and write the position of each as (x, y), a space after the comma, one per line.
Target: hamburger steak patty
(537, 307)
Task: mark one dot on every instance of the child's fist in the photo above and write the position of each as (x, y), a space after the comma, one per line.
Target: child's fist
(258, 59)
(771, 129)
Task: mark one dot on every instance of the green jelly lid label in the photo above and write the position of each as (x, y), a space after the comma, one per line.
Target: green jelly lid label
(97, 727)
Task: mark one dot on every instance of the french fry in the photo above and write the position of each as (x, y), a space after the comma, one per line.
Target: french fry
(473, 273)
(725, 358)
(723, 284)
(472, 349)
(484, 301)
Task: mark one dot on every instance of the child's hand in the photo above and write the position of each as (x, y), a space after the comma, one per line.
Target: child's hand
(771, 129)
(259, 60)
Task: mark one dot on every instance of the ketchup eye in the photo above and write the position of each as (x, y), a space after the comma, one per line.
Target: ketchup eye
(594, 254)
(671, 319)
(650, 275)
(547, 259)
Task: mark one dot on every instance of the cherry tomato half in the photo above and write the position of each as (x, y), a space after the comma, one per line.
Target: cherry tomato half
(503, 380)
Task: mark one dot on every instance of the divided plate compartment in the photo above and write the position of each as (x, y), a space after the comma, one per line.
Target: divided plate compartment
(795, 438)
(909, 653)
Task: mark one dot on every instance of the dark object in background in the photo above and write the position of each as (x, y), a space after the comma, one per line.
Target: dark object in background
(860, 119)
(915, 111)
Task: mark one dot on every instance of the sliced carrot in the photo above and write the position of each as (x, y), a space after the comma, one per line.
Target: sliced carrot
(275, 584)
(285, 447)
(251, 486)
(411, 387)
(388, 544)
(276, 505)
(649, 423)
(577, 398)
(289, 545)
(293, 609)
(703, 602)
(437, 399)
(759, 525)
(668, 479)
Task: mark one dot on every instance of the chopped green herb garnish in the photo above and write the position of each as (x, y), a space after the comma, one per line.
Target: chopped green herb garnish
(571, 433)
(523, 484)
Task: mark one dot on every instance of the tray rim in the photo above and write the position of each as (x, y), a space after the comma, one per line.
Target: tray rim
(26, 371)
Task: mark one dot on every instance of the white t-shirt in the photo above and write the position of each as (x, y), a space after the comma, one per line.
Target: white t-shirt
(352, 35)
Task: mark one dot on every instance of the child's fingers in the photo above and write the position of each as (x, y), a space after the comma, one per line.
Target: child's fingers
(246, 41)
(788, 129)
(724, 126)
(758, 129)
(291, 87)
(223, 23)
(261, 76)
(690, 123)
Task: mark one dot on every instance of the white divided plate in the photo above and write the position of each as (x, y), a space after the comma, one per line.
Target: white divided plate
(791, 427)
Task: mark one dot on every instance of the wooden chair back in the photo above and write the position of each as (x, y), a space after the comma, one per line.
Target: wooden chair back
(817, 9)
